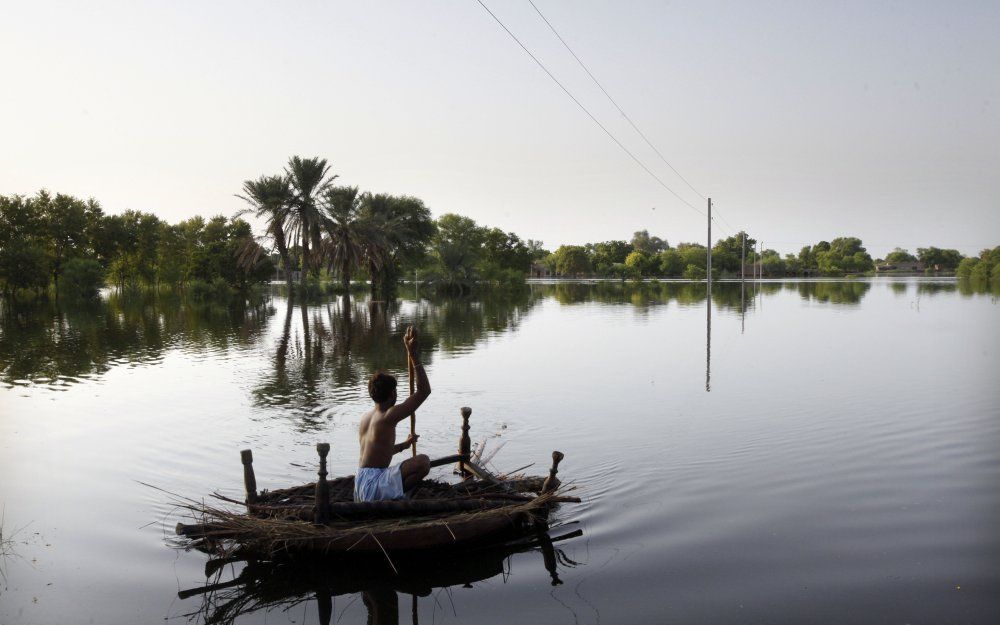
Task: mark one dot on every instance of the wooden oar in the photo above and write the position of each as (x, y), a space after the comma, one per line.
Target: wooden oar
(413, 416)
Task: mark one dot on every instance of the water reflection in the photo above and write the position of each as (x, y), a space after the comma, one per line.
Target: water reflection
(262, 587)
(46, 343)
(318, 353)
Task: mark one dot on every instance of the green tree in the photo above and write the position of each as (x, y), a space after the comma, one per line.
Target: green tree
(727, 253)
(899, 255)
(671, 263)
(65, 223)
(965, 267)
(935, 259)
(571, 260)
(644, 242)
(23, 265)
(309, 178)
(693, 254)
(609, 253)
(640, 264)
(83, 277)
(348, 233)
(694, 272)
(270, 199)
(456, 250)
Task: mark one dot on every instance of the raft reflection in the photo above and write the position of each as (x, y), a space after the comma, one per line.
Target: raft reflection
(262, 587)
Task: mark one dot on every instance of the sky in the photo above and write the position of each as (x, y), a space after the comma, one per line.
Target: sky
(803, 121)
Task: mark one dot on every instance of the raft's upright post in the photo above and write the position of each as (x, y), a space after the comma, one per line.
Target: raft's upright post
(249, 480)
(552, 482)
(465, 443)
(322, 514)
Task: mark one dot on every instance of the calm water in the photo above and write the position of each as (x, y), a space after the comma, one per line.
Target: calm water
(834, 456)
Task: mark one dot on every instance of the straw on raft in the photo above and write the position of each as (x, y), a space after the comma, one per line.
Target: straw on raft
(271, 536)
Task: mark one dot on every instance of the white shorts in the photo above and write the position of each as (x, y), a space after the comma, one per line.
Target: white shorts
(377, 484)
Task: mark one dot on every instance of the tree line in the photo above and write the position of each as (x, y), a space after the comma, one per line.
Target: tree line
(647, 255)
(318, 232)
(313, 229)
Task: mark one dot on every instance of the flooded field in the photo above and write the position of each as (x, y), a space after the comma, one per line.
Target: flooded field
(790, 452)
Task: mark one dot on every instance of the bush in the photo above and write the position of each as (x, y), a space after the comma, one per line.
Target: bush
(981, 271)
(201, 291)
(23, 266)
(694, 272)
(965, 267)
(83, 277)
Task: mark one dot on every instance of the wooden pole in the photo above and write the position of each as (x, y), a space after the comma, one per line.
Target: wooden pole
(413, 417)
(322, 487)
(249, 480)
(552, 482)
(465, 443)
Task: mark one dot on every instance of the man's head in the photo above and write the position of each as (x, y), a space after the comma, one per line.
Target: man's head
(382, 387)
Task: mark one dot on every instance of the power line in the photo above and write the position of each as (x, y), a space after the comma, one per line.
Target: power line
(612, 100)
(589, 114)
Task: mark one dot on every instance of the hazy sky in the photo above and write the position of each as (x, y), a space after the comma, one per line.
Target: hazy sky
(803, 120)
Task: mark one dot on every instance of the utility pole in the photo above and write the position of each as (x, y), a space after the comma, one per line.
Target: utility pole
(743, 255)
(710, 243)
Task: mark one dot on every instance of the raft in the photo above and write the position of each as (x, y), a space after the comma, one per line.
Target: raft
(322, 517)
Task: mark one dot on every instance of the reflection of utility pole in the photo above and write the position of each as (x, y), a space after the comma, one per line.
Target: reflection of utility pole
(708, 340)
(743, 271)
(708, 308)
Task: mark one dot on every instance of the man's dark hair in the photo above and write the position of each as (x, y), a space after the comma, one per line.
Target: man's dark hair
(381, 386)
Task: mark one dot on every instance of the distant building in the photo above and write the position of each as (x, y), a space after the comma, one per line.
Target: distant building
(540, 270)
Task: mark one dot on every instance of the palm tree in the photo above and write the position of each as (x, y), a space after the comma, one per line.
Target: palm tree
(309, 178)
(404, 226)
(348, 233)
(270, 198)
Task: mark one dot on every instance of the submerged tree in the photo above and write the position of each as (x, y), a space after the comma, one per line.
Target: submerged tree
(270, 199)
(309, 178)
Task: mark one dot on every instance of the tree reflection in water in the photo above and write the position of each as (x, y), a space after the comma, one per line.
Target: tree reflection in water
(262, 587)
(320, 353)
(55, 344)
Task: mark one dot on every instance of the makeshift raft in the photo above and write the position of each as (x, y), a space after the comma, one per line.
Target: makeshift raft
(322, 517)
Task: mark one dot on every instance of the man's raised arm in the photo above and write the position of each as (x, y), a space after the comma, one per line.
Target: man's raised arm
(408, 407)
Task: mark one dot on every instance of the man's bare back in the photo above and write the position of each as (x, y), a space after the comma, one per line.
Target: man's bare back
(377, 431)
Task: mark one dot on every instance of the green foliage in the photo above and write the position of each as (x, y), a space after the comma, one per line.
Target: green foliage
(726, 253)
(609, 253)
(842, 256)
(772, 265)
(671, 263)
(694, 272)
(981, 272)
(640, 263)
(651, 245)
(571, 260)
(506, 250)
(899, 255)
(82, 277)
(693, 254)
(23, 266)
(965, 267)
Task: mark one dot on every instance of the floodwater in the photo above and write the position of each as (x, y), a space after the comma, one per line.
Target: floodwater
(800, 452)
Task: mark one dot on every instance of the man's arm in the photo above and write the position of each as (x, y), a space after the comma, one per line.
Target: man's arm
(401, 411)
(401, 447)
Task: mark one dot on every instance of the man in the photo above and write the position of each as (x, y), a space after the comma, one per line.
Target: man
(376, 480)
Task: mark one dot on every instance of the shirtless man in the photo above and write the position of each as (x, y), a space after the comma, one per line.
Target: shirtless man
(376, 480)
